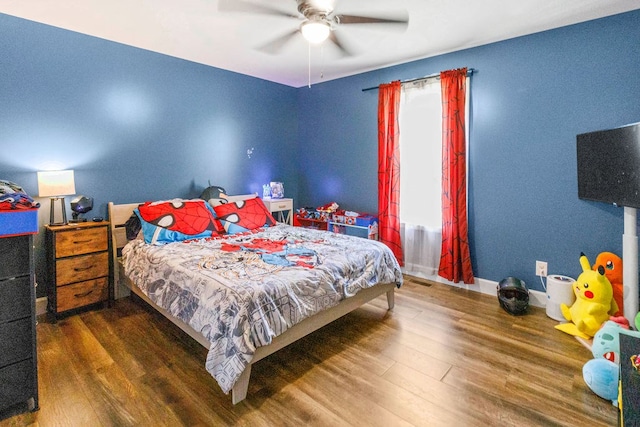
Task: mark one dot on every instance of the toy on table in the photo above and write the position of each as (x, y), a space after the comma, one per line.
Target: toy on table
(327, 210)
(329, 207)
(594, 302)
(612, 264)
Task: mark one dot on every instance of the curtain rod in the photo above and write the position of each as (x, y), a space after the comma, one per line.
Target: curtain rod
(470, 71)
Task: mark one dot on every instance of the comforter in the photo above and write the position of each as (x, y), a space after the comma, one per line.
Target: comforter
(240, 291)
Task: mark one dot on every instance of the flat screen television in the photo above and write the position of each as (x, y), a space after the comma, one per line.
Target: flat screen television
(609, 166)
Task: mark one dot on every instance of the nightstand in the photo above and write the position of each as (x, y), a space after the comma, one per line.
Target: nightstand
(77, 265)
(281, 208)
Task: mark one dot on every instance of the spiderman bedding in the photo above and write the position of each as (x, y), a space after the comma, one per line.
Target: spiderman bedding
(242, 290)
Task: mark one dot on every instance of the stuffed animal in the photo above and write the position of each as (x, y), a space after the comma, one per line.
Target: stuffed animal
(329, 207)
(606, 342)
(612, 264)
(594, 302)
(601, 373)
(214, 194)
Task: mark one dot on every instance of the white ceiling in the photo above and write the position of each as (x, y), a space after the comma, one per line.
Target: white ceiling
(197, 31)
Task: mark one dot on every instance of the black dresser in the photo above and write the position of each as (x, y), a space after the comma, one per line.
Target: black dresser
(629, 382)
(18, 360)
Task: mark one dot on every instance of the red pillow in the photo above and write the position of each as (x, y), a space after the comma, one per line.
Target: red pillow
(244, 215)
(175, 220)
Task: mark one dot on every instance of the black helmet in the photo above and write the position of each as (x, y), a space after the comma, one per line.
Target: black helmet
(513, 295)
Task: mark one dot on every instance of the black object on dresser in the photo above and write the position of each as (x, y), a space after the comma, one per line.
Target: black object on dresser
(18, 360)
(78, 266)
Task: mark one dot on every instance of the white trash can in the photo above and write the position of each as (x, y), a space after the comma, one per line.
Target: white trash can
(559, 291)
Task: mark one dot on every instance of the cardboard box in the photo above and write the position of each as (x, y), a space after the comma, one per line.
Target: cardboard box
(19, 221)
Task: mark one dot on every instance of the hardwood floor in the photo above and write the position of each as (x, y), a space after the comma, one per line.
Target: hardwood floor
(443, 356)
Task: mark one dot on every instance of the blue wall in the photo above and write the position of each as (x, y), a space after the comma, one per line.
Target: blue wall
(531, 96)
(137, 125)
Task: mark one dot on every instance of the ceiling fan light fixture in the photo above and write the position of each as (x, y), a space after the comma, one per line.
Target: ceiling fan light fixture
(315, 31)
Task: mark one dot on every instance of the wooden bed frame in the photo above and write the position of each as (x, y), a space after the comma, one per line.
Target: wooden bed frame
(119, 214)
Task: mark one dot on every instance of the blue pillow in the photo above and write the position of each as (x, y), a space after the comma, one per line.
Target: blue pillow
(177, 220)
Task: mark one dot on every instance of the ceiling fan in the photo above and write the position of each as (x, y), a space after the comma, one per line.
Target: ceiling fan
(319, 21)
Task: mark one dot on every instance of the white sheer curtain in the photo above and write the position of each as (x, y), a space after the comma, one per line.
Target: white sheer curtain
(421, 176)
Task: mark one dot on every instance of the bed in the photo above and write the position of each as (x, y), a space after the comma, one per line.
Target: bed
(246, 294)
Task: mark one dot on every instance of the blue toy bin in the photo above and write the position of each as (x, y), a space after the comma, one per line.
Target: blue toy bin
(18, 222)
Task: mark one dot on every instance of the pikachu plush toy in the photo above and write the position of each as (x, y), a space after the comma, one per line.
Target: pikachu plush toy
(594, 302)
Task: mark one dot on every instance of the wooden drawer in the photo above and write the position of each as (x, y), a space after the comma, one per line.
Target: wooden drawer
(15, 256)
(15, 298)
(17, 381)
(81, 268)
(81, 294)
(16, 341)
(81, 241)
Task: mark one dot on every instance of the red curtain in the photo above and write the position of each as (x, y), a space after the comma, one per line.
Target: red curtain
(389, 167)
(455, 260)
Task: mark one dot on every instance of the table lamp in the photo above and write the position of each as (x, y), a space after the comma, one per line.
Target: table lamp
(56, 185)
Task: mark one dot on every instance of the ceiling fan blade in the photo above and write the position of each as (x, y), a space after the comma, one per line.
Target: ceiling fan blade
(353, 19)
(246, 6)
(336, 41)
(276, 45)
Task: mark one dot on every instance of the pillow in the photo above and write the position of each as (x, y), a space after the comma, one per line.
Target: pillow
(230, 199)
(176, 220)
(244, 215)
(241, 197)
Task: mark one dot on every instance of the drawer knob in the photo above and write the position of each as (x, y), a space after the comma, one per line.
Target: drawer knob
(89, 267)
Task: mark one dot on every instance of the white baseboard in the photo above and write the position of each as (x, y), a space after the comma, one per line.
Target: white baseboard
(484, 286)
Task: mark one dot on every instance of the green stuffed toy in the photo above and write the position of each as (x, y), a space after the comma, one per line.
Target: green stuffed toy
(594, 302)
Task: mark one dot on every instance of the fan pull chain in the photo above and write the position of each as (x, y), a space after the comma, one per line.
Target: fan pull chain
(309, 64)
(322, 61)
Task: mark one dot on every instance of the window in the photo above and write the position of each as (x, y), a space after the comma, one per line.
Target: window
(421, 176)
(421, 154)
(420, 122)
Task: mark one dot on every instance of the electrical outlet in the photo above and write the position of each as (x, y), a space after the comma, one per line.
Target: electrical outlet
(541, 268)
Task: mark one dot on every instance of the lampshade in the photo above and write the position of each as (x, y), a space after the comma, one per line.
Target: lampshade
(56, 183)
(315, 31)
